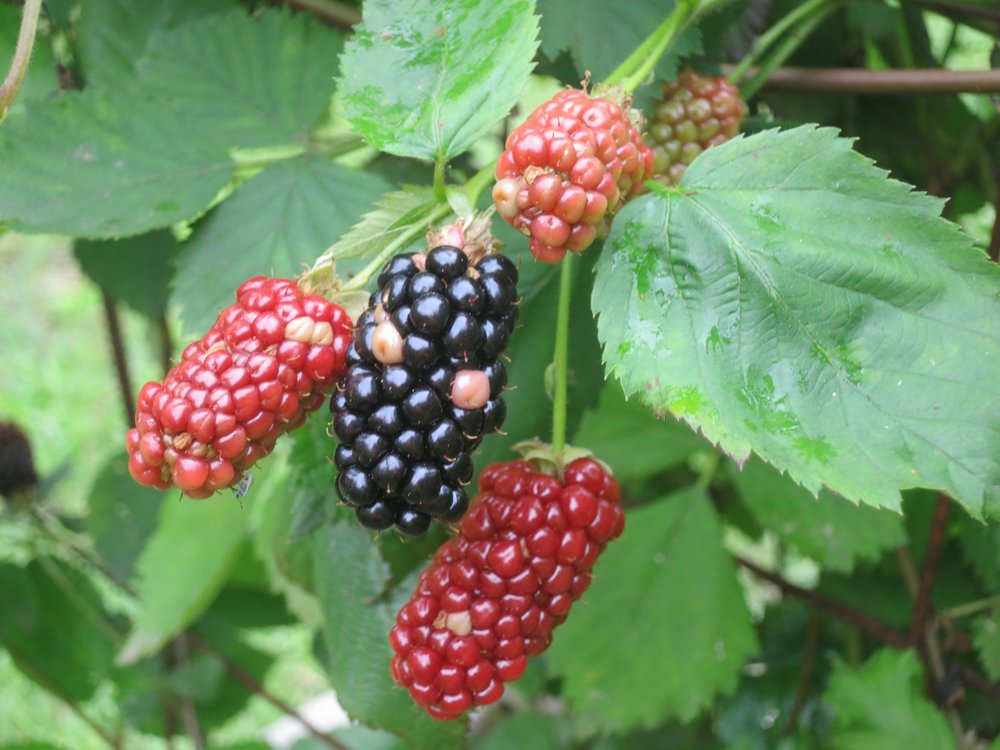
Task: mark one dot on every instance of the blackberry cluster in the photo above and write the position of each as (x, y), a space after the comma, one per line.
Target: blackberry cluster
(423, 386)
(17, 470)
(493, 594)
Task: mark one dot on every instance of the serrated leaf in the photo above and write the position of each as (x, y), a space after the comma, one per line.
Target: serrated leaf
(393, 214)
(986, 636)
(53, 625)
(121, 516)
(881, 706)
(599, 35)
(277, 224)
(351, 578)
(111, 265)
(180, 571)
(666, 593)
(790, 300)
(114, 34)
(427, 80)
(244, 81)
(83, 165)
(831, 530)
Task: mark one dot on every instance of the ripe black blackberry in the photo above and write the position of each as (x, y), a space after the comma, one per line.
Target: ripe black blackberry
(17, 470)
(423, 385)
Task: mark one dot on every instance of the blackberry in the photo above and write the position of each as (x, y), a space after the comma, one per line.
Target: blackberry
(17, 470)
(423, 384)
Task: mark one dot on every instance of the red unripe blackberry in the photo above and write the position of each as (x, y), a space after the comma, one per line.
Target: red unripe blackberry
(567, 170)
(267, 361)
(17, 469)
(696, 112)
(493, 594)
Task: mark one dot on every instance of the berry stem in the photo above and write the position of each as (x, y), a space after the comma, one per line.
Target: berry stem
(22, 55)
(439, 192)
(561, 357)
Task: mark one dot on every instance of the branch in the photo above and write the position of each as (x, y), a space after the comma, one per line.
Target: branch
(118, 352)
(931, 557)
(805, 676)
(189, 715)
(863, 81)
(978, 681)
(253, 686)
(860, 620)
(331, 12)
(22, 55)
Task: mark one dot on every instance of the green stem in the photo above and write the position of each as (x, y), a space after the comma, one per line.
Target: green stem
(641, 62)
(256, 158)
(709, 470)
(560, 358)
(22, 55)
(439, 192)
(768, 38)
(971, 608)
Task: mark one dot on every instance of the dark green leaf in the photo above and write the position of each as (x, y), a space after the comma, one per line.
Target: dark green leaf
(276, 224)
(428, 80)
(790, 300)
(986, 635)
(350, 578)
(665, 594)
(122, 515)
(829, 529)
(53, 624)
(182, 569)
(527, 729)
(83, 165)
(881, 706)
(112, 263)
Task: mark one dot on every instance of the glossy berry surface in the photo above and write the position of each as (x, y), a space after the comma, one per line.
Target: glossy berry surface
(266, 363)
(493, 594)
(696, 112)
(567, 170)
(424, 386)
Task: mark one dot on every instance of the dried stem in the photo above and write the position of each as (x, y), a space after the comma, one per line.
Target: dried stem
(931, 557)
(118, 353)
(863, 81)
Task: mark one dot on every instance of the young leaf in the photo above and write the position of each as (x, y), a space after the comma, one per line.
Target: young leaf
(393, 214)
(277, 223)
(182, 571)
(829, 529)
(986, 636)
(95, 165)
(352, 580)
(665, 594)
(791, 300)
(428, 80)
(881, 705)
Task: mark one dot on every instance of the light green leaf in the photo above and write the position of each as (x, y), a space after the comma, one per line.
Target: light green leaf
(114, 34)
(243, 81)
(427, 80)
(666, 593)
(791, 300)
(277, 223)
(829, 529)
(351, 578)
(393, 214)
(986, 636)
(182, 569)
(881, 706)
(96, 165)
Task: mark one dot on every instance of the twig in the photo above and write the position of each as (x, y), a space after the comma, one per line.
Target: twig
(863, 81)
(22, 55)
(253, 686)
(805, 676)
(860, 620)
(118, 352)
(189, 715)
(974, 11)
(330, 11)
(931, 557)
(978, 681)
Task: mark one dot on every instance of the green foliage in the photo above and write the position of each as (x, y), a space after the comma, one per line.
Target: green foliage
(428, 82)
(747, 302)
(986, 635)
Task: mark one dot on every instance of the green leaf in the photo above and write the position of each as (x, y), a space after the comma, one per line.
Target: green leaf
(393, 214)
(244, 81)
(114, 34)
(666, 593)
(121, 516)
(83, 165)
(632, 441)
(600, 35)
(831, 530)
(53, 624)
(351, 578)
(986, 636)
(881, 706)
(277, 224)
(111, 265)
(521, 729)
(428, 80)
(791, 300)
(182, 569)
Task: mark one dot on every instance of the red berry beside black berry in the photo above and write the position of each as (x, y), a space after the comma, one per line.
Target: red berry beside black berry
(423, 386)
(17, 470)
(494, 593)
